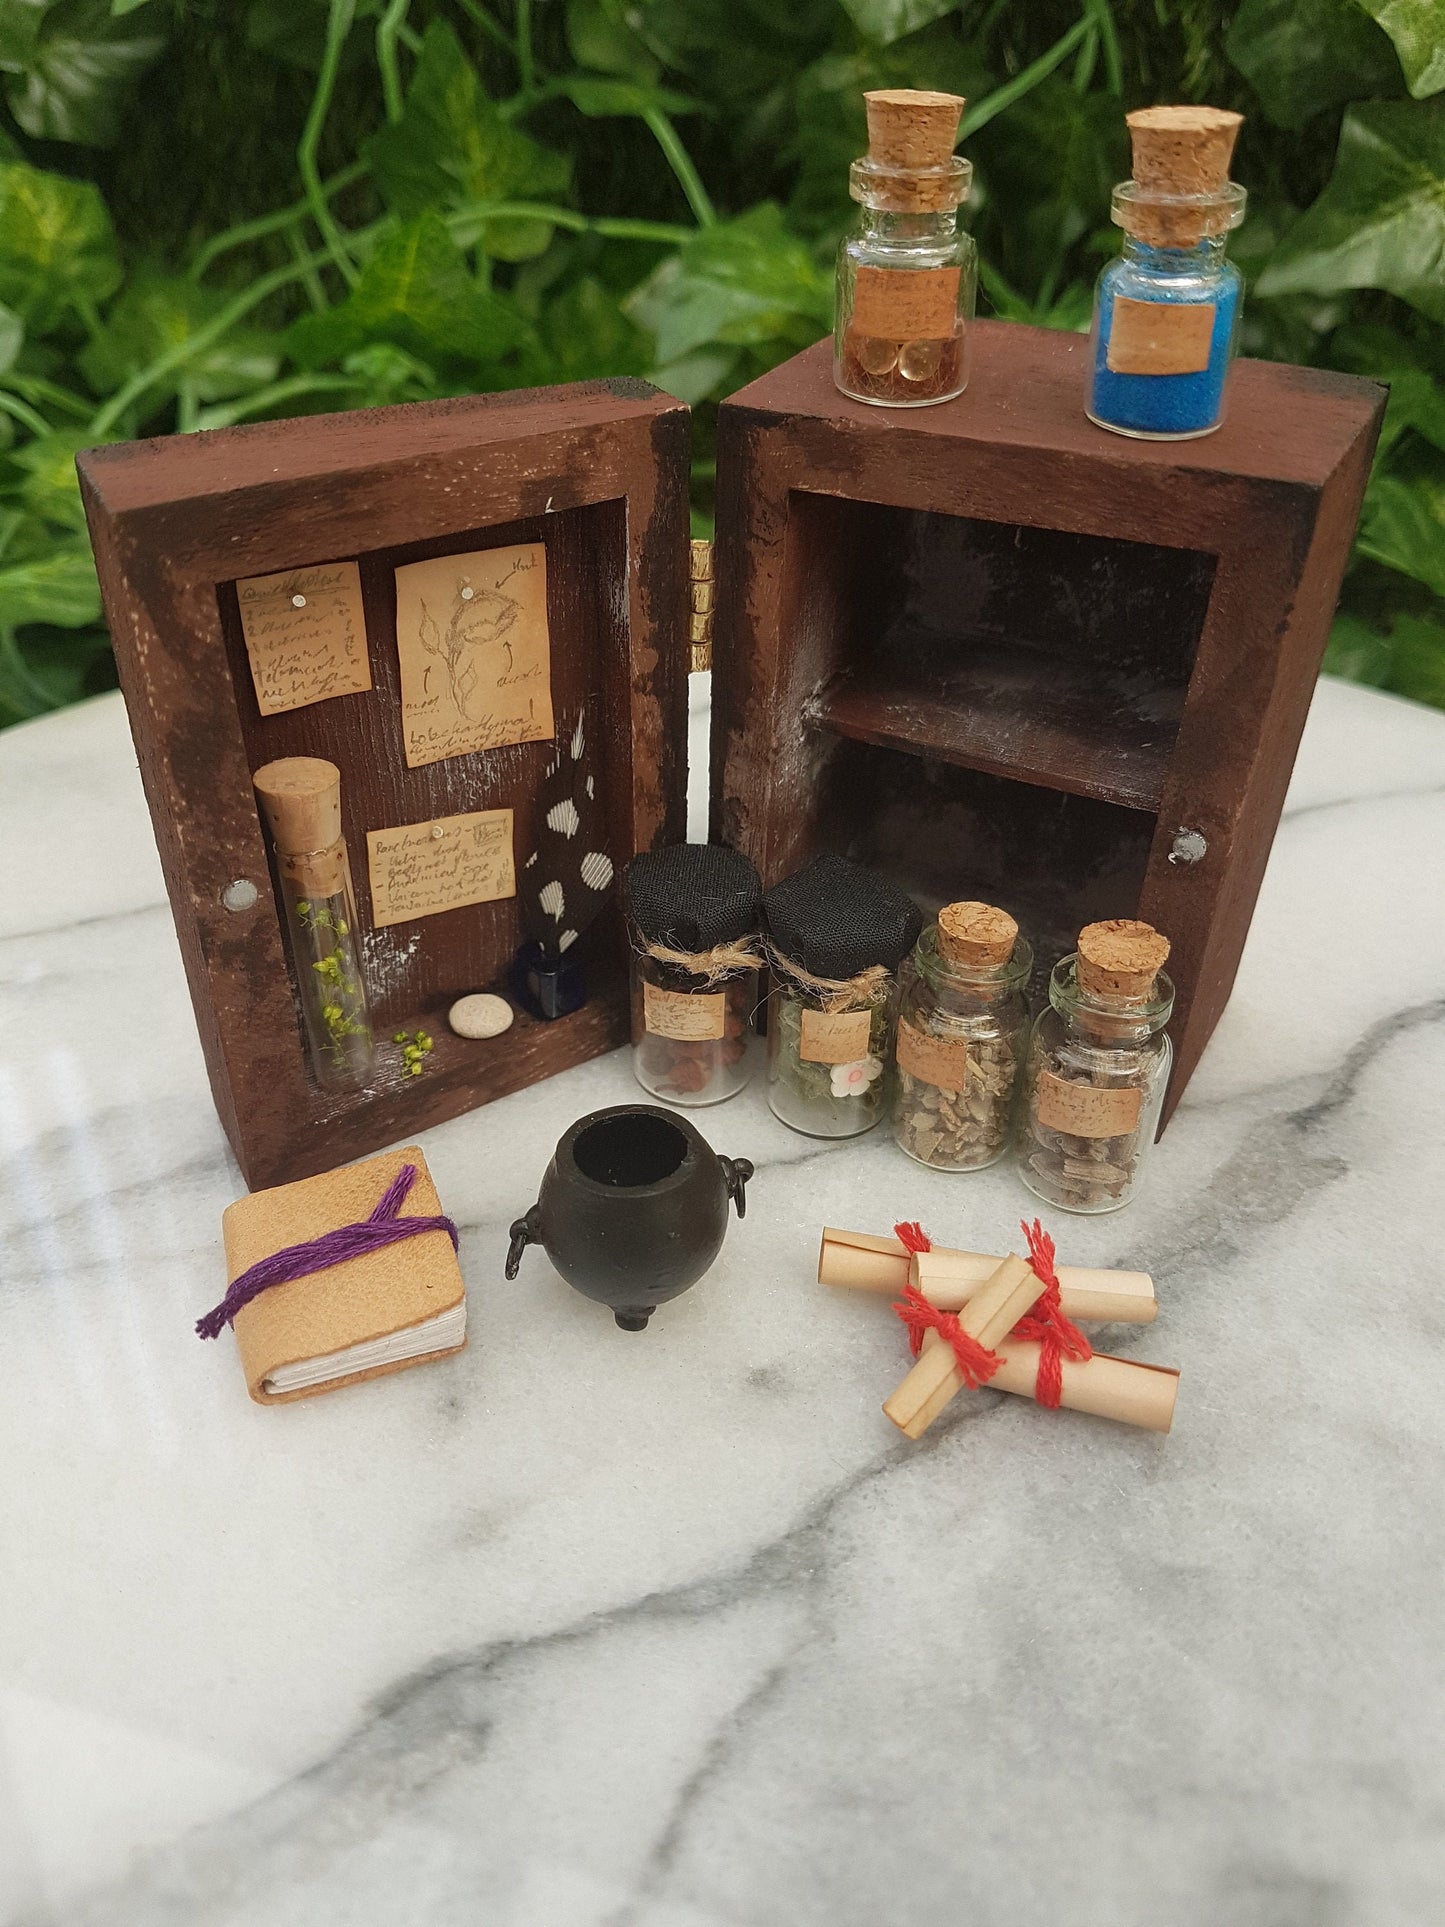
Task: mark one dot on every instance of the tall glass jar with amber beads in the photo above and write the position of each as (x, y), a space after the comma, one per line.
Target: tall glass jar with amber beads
(907, 277)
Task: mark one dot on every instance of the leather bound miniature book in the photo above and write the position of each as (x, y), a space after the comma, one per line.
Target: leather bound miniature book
(391, 1306)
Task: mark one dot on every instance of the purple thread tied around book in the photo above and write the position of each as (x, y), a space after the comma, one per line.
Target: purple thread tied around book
(382, 1228)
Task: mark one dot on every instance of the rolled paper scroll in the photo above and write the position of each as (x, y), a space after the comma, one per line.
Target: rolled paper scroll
(855, 1260)
(989, 1316)
(1103, 1386)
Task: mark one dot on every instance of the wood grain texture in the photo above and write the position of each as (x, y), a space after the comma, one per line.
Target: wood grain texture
(597, 472)
(1005, 654)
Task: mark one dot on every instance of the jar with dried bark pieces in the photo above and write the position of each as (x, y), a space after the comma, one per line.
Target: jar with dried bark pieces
(962, 1025)
(1098, 1064)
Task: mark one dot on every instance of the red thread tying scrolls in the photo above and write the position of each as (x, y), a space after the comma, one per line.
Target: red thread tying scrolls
(1044, 1324)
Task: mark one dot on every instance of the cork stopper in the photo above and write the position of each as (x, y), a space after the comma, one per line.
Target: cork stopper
(1120, 958)
(1181, 189)
(909, 127)
(301, 800)
(976, 934)
(910, 166)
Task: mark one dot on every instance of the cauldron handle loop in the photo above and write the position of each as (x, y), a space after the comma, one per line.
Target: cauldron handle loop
(524, 1232)
(736, 1172)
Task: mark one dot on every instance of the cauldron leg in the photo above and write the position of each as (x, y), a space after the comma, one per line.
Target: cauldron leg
(634, 1318)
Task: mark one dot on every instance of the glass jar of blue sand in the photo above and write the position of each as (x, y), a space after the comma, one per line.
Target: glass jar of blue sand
(1166, 312)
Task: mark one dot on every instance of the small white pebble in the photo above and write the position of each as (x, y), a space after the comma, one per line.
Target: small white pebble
(480, 1015)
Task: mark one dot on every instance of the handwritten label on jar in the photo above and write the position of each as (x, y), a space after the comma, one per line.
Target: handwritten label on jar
(835, 1036)
(1160, 337)
(905, 304)
(1087, 1110)
(939, 1061)
(687, 1018)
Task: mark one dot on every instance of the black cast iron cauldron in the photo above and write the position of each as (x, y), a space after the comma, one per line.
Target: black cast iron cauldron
(633, 1209)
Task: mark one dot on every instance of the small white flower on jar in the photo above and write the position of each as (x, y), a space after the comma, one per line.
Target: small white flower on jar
(852, 1080)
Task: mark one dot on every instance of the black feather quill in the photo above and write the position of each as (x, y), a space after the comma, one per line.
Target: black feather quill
(567, 878)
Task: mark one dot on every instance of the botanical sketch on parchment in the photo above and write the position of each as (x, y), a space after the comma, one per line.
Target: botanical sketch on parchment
(471, 635)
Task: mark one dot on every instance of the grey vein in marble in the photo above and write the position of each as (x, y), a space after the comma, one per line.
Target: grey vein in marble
(585, 1630)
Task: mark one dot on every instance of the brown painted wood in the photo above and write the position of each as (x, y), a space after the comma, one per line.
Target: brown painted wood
(1004, 653)
(598, 473)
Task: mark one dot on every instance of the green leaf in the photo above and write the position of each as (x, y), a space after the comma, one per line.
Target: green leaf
(1303, 56)
(601, 37)
(1380, 222)
(1403, 526)
(588, 336)
(889, 20)
(51, 488)
(744, 282)
(1358, 651)
(1417, 28)
(604, 99)
(69, 82)
(57, 245)
(12, 338)
(1418, 668)
(58, 588)
(157, 312)
(1416, 401)
(416, 293)
(452, 147)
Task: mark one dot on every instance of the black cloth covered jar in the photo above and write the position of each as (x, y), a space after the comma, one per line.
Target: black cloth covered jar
(836, 934)
(692, 913)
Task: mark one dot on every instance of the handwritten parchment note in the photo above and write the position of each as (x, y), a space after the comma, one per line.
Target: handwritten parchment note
(445, 863)
(305, 635)
(476, 663)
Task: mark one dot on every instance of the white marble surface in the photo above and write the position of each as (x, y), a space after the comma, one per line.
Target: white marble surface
(580, 1629)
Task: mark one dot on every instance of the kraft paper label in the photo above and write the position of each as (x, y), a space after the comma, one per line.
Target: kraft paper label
(446, 863)
(906, 304)
(1084, 1110)
(476, 660)
(305, 635)
(835, 1036)
(686, 1018)
(939, 1061)
(1160, 337)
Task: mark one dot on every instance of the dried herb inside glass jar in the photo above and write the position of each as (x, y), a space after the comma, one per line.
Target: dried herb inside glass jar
(1097, 1067)
(693, 915)
(962, 1023)
(836, 933)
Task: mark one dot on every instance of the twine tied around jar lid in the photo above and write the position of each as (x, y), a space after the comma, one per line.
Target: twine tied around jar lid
(710, 967)
(870, 986)
(1181, 190)
(1120, 958)
(977, 936)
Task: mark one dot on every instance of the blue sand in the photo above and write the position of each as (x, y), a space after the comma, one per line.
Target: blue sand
(1164, 404)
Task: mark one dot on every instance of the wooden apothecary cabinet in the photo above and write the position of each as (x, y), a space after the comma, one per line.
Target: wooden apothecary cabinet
(985, 646)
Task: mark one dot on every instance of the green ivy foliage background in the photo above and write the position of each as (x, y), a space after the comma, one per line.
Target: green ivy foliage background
(215, 211)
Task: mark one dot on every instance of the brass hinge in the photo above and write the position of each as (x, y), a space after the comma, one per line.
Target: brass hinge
(699, 629)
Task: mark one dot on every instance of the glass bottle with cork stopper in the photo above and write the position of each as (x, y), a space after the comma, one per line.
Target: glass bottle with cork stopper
(906, 278)
(962, 1026)
(1098, 1063)
(692, 914)
(300, 797)
(836, 934)
(1166, 312)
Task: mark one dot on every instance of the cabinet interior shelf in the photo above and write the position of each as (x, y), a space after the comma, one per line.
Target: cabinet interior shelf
(1014, 712)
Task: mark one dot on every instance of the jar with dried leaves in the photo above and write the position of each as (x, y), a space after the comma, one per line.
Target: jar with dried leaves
(962, 1025)
(692, 912)
(836, 934)
(1098, 1063)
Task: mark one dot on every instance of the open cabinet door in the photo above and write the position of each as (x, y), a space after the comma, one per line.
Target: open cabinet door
(999, 653)
(595, 477)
